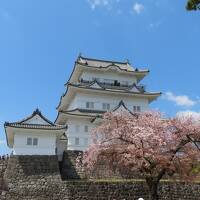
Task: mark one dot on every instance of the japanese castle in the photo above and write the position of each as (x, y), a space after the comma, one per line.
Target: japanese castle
(94, 87)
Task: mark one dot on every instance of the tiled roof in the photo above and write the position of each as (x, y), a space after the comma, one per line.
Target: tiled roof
(36, 112)
(104, 63)
(35, 126)
(141, 91)
(24, 123)
(84, 111)
(93, 112)
(112, 89)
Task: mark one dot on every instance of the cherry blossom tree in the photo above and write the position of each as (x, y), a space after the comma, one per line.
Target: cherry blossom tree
(147, 143)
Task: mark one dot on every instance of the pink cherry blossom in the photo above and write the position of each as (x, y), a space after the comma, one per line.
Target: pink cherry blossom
(148, 143)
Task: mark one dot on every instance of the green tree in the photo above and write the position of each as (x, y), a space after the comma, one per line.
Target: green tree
(193, 5)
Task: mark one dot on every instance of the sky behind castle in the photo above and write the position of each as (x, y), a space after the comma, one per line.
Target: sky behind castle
(40, 40)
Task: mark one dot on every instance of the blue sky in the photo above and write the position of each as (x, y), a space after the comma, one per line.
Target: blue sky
(40, 40)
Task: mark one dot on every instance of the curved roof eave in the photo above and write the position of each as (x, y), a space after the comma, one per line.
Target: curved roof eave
(35, 126)
(8, 144)
(36, 112)
(136, 71)
(101, 60)
(116, 91)
(63, 95)
(155, 94)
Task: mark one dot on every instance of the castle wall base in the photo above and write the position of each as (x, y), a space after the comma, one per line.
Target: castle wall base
(38, 178)
(104, 190)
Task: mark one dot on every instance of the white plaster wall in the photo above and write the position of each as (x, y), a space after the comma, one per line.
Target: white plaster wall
(72, 133)
(88, 75)
(74, 103)
(46, 144)
(81, 98)
(80, 101)
(36, 120)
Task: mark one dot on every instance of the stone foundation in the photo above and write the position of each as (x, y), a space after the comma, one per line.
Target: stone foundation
(3, 167)
(91, 190)
(38, 178)
(30, 168)
(70, 170)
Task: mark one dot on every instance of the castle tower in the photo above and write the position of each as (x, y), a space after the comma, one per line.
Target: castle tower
(94, 87)
(35, 135)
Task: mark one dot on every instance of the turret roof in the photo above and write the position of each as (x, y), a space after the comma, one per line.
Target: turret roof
(105, 63)
(36, 122)
(91, 63)
(131, 90)
(128, 90)
(92, 113)
(97, 84)
(27, 124)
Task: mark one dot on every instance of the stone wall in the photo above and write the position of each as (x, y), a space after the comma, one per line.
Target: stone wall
(130, 190)
(68, 166)
(38, 178)
(27, 168)
(70, 169)
(91, 190)
(3, 166)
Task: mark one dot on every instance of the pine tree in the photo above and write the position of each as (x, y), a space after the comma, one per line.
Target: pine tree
(193, 5)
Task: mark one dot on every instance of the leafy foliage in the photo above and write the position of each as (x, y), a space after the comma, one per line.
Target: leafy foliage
(193, 5)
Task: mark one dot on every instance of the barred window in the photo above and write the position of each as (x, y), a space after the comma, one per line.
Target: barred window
(90, 105)
(106, 106)
(136, 108)
(86, 128)
(35, 141)
(29, 141)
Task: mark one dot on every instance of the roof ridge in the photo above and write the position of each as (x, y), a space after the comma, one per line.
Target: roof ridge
(134, 70)
(35, 112)
(102, 60)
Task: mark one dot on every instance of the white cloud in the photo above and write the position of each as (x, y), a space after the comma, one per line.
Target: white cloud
(189, 113)
(138, 8)
(181, 100)
(95, 3)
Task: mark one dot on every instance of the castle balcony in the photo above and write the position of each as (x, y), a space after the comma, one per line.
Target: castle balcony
(115, 85)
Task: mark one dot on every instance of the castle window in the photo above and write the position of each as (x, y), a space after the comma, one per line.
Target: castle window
(29, 141)
(136, 108)
(90, 105)
(86, 128)
(76, 141)
(35, 141)
(106, 106)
